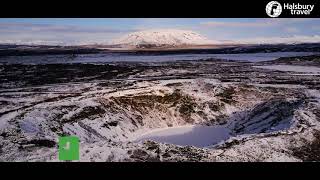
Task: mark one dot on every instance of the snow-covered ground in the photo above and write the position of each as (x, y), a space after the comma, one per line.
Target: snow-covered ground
(278, 85)
(238, 113)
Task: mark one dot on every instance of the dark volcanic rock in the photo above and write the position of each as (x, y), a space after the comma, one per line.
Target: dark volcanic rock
(40, 143)
(310, 151)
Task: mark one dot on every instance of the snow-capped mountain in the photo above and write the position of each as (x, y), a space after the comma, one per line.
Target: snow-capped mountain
(163, 37)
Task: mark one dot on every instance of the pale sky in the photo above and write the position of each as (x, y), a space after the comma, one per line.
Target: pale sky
(71, 31)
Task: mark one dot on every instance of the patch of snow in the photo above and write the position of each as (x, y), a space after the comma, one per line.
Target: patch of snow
(289, 86)
(314, 94)
(305, 74)
(5, 118)
(171, 81)
(28, 126)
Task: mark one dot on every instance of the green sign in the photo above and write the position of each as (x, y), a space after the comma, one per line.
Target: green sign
(69, 148)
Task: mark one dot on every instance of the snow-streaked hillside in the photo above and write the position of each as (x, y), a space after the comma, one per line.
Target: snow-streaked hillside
(202, 110)
(163, 37)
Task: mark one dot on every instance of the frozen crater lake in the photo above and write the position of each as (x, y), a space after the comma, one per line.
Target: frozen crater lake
(196, 135)
(292, 68)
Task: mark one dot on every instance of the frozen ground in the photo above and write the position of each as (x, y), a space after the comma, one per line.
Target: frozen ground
(238, 112)
(198, 136)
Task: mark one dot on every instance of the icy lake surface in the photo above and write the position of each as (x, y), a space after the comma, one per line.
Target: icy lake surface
(198, 136)
(301, 69)
(114, 57)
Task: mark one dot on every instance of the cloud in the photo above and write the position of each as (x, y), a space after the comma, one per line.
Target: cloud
(28, 33)
(162, 23)
(234, 24)
(315, 28)
(291, 29)
(13, 27)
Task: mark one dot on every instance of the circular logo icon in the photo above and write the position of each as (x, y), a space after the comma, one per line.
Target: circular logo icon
(273, 9)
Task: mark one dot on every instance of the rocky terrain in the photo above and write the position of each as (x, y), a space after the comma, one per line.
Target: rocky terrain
(269, 115)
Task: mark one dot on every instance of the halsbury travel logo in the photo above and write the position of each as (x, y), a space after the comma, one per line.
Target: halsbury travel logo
(299, 9)
(274, 8)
